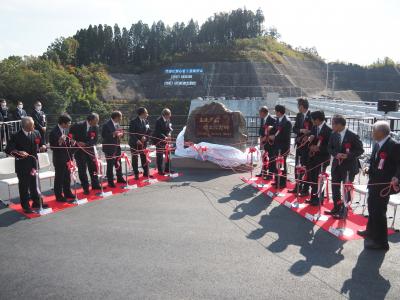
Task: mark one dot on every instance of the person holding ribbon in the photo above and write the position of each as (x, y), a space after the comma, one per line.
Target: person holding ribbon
(383, 168)
(61, 143)
(318, 155)
(24, 146)
(162, 139)
(267, 122)
(279, 137)
(345, 147)
(139, 133)
(112, 133)
(39, 117)
(302, 129)
(85, 134)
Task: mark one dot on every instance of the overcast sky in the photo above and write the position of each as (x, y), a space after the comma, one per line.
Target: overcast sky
(358, 31)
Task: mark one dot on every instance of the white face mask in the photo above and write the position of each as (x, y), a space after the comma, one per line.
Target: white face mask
(3, 105)
(38, 107)
(20, 106)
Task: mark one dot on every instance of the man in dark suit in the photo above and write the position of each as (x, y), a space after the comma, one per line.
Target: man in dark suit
(19, 111)
(345, 147)
(24, 146)
(39, 118)
(383, 167)
(112, 133)
(267, 122)
(4, 117)
(139, 132)
(85, 134)
(280, 137)
(62, 157)
(162, 136)
(319, 158)
(302, 129)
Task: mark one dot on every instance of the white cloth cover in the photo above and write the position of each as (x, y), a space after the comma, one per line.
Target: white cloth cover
(224, 156)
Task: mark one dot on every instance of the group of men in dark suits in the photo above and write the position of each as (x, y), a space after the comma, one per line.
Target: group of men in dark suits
(37, 114)
(275, 140)
(317, 146)
(139, 136)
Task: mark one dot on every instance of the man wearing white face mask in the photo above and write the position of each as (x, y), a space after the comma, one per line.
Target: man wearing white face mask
(39, 118)
(4, 117)
(20, 112)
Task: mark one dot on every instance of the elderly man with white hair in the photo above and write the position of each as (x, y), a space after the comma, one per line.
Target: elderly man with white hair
(383, 168)
(24, 146)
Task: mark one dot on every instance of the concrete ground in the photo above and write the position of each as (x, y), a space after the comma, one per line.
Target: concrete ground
(205, 235)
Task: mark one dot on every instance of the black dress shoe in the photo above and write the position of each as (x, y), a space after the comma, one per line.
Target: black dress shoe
(28, 211)
(112, 185)
(293, 191)
(136, 176)
(304, 194)
(147, 176)
(36, 206)
(259, 175)
(121, 180)
(161, 173)
(69, 196)
(96, 187)
(363, 233)
(86, 192)
(375, 246)
(334, 211)
(61, 199)
(268, 177)
(169, 171)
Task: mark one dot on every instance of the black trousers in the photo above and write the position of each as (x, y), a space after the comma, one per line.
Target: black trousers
(113, 163)
(27, 190)
(136, 152)
(160, 160)
(377, 222)
(62, 179)
(339, 176)
(85, 163)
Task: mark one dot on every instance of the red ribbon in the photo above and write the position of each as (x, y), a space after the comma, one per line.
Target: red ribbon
(37, 141)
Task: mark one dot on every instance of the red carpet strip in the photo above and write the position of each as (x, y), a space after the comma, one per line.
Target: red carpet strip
(343, 229)
(93, 196)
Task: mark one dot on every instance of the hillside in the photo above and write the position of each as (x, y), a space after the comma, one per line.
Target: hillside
(253, 68)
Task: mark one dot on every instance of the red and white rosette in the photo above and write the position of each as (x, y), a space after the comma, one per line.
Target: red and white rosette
(382, 156)
(92, 135)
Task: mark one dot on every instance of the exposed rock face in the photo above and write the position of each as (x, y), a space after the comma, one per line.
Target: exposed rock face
(214, 123)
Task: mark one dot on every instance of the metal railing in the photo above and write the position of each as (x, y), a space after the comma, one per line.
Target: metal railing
(6, 130)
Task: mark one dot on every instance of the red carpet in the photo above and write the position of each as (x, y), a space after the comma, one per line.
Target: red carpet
(58, 206)
(348, 228)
